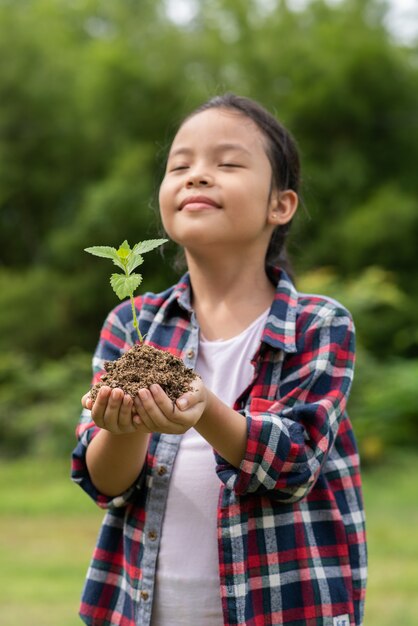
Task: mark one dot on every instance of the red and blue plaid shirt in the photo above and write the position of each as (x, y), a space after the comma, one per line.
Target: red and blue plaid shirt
(291, 534)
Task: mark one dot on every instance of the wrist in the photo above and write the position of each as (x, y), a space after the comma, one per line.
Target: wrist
(122, 439)
(224, 428)
(209, 405)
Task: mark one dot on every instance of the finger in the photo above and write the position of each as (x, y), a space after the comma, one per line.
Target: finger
(154, 417)
(141, 418)
(164, 412)
(125, 414)
(191, 398)
(161, 399)
(183, 402)
(135, 418)
(149, 411)
(138, 407)
(86, 401)
(99, 406)
(115, 400)
(111, 414)
(139, 425)
(188, 401)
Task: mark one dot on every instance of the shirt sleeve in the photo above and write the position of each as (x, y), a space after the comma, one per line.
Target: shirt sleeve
(289, 438)
(115, 339)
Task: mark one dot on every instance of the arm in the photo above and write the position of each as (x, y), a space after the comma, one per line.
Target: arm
(116, 455)
(224, 428)
(99, 461)
(288, 439)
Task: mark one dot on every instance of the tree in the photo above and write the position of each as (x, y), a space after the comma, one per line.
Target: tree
(90, 96)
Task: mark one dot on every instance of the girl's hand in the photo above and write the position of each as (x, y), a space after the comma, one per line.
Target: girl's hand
(157, 413)
(113, 411)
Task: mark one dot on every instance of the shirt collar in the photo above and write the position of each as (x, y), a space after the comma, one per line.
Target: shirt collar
(280, 329)
(180, 296)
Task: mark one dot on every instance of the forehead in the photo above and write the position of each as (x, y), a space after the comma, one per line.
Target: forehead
(219, 126)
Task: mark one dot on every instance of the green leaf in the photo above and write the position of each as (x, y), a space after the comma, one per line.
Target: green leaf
(124, 250)
(125, 286)
(146, 246)
(135, 260)
(104, 251)
(120, 263)
(107, 253)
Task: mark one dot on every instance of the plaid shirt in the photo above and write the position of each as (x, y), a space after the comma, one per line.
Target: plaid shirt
(291, 535)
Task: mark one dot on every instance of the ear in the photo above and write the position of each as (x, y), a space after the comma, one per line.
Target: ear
(283, 205)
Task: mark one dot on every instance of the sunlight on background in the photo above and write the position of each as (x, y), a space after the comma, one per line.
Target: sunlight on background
(401, 20)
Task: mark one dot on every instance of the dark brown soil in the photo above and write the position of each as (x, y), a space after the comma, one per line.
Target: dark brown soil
(143, 366)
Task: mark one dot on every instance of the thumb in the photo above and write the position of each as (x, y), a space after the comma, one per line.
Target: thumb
(86, 401)
(185, 401)
(196, 394)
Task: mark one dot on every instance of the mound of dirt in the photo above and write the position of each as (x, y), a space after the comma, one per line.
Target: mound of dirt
(143, 366)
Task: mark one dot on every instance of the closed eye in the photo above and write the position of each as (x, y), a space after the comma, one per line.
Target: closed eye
(179, 168)
(229, 165)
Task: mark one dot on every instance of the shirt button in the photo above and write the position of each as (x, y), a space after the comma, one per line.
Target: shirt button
(152, 535)
(162, 470)
(190, 353)
(144, 595)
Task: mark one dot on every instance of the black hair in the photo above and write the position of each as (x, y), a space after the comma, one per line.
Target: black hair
(282, 152)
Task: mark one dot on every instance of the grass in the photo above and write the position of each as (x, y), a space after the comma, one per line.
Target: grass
(391, 499)
(48, 527)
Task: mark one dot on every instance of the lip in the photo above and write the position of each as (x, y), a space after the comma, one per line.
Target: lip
(199, 200)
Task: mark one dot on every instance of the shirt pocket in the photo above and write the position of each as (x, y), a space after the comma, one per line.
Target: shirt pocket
(261, 405)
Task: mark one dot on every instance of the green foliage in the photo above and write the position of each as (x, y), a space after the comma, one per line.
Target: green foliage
(40, 403)
(124, 286)
(383, 405)
(88, 104)
(127, 259)
(390, 248)
(384, 399)
(375, 300)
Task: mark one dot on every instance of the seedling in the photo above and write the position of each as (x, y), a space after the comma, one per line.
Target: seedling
(127, 259)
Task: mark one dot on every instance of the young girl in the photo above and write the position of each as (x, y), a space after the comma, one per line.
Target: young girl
(240, 505)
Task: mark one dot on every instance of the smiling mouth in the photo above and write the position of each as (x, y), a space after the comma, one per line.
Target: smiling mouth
(197, 202)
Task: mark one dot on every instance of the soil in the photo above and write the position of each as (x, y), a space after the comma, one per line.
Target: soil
(143, 366)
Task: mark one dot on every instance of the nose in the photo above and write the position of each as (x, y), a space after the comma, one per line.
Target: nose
(199, 180)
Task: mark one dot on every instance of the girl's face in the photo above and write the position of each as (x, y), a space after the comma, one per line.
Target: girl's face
(216, 188)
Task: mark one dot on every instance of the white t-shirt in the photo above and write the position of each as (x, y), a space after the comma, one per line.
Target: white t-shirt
(187, 586)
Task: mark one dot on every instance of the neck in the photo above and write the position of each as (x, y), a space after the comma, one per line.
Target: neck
(228, 294)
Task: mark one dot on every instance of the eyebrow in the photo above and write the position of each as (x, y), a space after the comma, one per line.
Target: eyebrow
(222, 147)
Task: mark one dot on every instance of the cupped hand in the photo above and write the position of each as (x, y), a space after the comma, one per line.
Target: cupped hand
(113, 410)
(157, 413)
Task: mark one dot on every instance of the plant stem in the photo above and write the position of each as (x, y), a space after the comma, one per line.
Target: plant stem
(131, 296)
(135, 320)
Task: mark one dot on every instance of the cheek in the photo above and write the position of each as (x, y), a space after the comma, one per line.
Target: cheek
(166, 204)
(164, 197)
(162, 191)
(253, 198)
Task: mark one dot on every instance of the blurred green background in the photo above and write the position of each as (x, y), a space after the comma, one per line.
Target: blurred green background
(90, 95)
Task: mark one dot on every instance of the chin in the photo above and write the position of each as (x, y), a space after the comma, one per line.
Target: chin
(194, 237)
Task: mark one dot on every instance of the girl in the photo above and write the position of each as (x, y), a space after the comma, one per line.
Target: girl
(240, 505)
